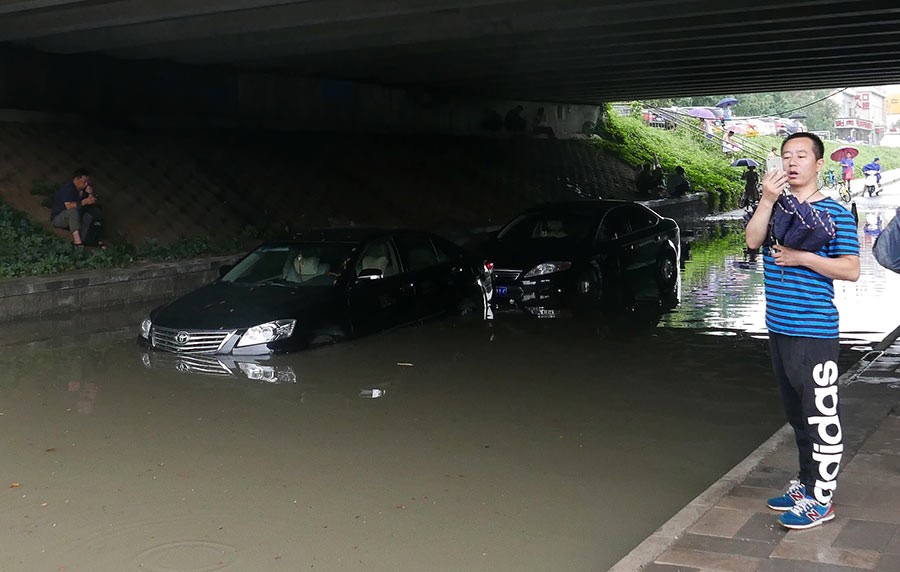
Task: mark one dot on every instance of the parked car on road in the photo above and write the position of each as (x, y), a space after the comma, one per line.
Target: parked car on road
(561, 256)
(320, 287)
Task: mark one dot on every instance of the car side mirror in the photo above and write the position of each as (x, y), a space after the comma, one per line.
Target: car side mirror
(224, 269)
(370, 274)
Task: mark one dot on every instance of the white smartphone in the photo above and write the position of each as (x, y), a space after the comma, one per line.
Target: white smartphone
(774, 164)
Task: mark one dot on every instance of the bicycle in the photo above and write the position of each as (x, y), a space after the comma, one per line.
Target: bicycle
(829, 180)
(844, 191)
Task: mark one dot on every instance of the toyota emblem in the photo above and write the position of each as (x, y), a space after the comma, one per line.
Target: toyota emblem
(182, 338)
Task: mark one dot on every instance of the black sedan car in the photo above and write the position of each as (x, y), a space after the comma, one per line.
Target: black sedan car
(555, 257)
(319, 287)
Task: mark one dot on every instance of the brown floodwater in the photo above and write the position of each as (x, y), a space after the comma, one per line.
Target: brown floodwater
(520, 445)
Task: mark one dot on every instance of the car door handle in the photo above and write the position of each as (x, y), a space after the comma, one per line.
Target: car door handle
(407, 287)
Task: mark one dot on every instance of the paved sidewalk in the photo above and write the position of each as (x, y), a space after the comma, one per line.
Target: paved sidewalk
(728, 528)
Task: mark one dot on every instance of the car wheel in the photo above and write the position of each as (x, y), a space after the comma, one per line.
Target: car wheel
(667, 273)
(589, 285)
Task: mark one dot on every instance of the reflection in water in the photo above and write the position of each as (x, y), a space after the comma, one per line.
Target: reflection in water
(722, 286)
(87, 395)
(263, 369)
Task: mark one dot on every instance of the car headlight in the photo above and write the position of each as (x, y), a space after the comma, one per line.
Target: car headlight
(547, 268)
(268, 332)
(145, 328)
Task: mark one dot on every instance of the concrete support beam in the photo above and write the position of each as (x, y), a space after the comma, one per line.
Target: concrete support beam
(576, 50)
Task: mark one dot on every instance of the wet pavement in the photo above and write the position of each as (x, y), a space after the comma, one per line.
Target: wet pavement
(729, 527)
(520, 445)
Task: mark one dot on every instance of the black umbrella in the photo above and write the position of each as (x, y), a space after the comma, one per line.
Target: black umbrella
(797, 115)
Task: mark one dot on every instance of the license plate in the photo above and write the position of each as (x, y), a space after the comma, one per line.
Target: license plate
(502, 291)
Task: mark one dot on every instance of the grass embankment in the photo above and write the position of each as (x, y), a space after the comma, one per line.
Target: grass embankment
(705, 165)
(27, 249)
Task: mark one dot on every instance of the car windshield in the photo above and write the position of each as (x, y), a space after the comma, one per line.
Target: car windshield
(537, 226)
(293, 265)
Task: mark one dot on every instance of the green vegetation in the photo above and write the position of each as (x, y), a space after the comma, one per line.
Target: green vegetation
(26, 249)
(705, 165)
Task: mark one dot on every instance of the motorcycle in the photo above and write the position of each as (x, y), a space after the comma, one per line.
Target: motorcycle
(870, 185)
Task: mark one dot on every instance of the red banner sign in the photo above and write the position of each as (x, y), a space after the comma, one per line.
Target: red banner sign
(853, 122)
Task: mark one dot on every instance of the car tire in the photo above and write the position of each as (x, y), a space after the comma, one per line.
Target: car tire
(666, 273)
(590, 286)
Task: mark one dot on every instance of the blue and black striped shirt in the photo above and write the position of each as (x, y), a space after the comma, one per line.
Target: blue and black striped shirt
(800, 302)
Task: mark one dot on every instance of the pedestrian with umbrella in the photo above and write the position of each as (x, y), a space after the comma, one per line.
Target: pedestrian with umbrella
(726, 105)
(750, 176)
(846, 162)
(751, 186)
(808, 240)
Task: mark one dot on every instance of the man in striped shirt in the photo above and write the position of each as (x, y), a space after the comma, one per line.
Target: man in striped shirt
(803, 329)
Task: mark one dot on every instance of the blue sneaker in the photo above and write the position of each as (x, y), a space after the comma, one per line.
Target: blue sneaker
(807, 513)
(796, 492)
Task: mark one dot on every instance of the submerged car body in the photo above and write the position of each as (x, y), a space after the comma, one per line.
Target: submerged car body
(557, 256)
(320, 287)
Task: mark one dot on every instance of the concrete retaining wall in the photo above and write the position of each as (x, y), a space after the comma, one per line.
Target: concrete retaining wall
(691, 207)
(33, 297)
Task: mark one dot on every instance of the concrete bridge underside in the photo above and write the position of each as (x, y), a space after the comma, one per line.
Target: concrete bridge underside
(539, 50)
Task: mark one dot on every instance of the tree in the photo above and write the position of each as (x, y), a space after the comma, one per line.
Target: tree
(820, 115)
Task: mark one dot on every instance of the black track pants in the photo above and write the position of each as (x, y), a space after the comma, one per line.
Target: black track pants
(806, 372)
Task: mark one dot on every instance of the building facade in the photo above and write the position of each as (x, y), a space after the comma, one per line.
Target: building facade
(862, 114)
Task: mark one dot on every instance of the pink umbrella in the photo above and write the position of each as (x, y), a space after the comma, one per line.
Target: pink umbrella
(701, 113)
(839, 154)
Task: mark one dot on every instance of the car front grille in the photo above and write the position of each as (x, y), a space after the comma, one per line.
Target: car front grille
(506, 274)
(189, 341)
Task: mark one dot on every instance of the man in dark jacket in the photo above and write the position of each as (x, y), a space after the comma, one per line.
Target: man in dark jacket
(66, 212)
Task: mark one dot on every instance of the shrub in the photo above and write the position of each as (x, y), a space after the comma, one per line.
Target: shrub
(26, 249)
(704, 164)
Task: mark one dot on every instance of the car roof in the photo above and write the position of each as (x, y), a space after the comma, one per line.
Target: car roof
(350, 234)
(596, 207)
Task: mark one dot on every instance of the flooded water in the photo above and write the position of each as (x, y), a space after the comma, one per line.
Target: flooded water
(722, 284)
(454, 445)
